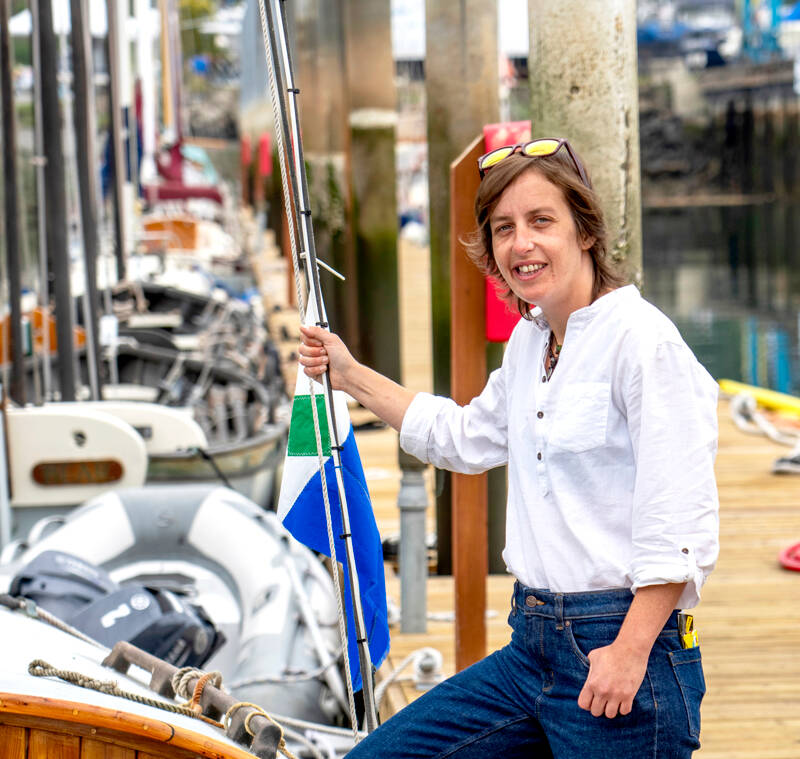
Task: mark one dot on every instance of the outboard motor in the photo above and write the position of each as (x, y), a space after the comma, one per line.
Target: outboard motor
(154, 619)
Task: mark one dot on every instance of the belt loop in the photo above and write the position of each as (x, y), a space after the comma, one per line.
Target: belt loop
(559, 610)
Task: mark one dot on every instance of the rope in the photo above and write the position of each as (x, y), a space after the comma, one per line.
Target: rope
(334, 564)
(745, 414)
(39, 668)
(293, 677)
(256, 710)
(180, 684)
(302, 304)
(298, 738)
(317, 727)
(210, 459)
(30, 607)
(417, 656)
(273, 86)
(380, 691)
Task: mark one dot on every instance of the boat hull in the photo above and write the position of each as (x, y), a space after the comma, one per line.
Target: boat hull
(36, 726)
(252, 468)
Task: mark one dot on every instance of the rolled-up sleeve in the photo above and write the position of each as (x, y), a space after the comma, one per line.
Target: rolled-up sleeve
(467, 439)
(671, 405)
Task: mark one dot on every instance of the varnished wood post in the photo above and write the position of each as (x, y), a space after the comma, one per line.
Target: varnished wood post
(468, 373)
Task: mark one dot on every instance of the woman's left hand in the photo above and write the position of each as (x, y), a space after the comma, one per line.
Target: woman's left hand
(615, 674)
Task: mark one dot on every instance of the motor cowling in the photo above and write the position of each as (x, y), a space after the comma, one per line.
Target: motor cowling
(154, 619)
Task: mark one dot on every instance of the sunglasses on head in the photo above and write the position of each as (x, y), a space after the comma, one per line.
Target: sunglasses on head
(535, 149)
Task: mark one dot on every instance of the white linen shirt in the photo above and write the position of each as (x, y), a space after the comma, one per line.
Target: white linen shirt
(610, 463)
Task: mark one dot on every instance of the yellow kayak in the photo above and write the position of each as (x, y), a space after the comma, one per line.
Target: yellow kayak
(771, 399)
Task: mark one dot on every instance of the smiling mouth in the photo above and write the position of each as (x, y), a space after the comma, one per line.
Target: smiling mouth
(529, 268)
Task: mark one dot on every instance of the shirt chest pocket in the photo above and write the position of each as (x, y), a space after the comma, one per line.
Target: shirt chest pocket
(581, 416)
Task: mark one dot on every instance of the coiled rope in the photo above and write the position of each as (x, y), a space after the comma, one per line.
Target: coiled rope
(746, 416)
(256, 710)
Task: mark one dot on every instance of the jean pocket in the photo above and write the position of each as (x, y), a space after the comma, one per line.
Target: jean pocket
(687, 665)
(576, 649)
(585, 635)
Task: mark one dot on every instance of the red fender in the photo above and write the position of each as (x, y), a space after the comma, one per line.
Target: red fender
(790, 557)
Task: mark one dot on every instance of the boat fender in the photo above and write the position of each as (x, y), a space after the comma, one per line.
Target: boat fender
(789, 557)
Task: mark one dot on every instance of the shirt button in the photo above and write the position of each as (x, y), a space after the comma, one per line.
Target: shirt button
(539, 455)
(684, 550)
(540, 414)
(544, 379)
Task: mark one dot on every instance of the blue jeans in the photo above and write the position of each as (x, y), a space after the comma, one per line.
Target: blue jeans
(522, 701)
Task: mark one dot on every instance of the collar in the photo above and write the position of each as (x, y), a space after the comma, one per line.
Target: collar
(583, 316)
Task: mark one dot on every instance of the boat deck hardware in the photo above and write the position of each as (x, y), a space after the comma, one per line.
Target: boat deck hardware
(247, 725)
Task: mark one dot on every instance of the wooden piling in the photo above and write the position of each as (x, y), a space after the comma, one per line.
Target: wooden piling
(322, 78)
(461, 76)
(372, 116)
(584, 86)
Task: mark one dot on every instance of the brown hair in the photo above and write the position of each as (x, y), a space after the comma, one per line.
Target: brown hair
(583, 204)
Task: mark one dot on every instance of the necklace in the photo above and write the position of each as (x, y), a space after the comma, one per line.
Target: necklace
(553, 352)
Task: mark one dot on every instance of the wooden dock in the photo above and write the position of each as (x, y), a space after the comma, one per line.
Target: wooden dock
(749, 619)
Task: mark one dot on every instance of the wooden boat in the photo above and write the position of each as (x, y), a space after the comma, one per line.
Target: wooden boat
(269, 597)
(50, 719)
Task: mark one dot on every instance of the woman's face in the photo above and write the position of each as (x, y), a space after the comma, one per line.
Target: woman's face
(537, 247)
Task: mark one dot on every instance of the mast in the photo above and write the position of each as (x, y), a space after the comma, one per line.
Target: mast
(55, 201)
(118, 165)
(83, 116)
(17, 386)
(41, 205)
(280, 64)
(146, 74)
(175, 66)
(166, 76)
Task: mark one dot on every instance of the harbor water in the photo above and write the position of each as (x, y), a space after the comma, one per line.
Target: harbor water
(728, 276)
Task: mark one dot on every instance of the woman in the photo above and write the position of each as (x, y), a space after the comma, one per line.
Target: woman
(608, 425)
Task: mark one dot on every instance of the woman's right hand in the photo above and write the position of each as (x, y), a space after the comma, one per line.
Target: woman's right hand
(321, 350)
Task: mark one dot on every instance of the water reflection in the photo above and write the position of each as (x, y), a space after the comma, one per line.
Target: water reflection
(729, 278)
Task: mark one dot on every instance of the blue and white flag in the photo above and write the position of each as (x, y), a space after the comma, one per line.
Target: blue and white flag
(302, 510)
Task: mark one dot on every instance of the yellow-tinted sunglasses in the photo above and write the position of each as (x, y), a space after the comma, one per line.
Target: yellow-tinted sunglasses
(535, 149)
